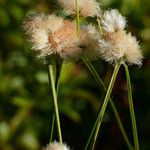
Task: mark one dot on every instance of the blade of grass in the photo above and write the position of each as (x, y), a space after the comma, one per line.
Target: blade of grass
(101, 84)
(131, 106)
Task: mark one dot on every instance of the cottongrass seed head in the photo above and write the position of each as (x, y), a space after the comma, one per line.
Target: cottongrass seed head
(50, 34)
(86, 7)
(133, 53)
(67, 41)
(56, 146)
(115, 44)
(89, 41)
(38, 28)
(113, 20)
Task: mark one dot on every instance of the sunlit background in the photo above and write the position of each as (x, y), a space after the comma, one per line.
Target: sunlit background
(25, 97)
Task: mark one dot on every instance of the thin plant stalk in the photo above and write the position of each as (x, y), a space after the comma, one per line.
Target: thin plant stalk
(59, 65)
(54, 94)
(131, 106)
(100, 27)
(102, 85)
(52, 127)
(77, 16)
(105, 103)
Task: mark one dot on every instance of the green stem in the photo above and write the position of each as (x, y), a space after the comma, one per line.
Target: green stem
(77, 16)
(106, 100)
(54, 93)
(52, 127)
(100, 27)
(100, 83)
(59, 65)
(131, 106)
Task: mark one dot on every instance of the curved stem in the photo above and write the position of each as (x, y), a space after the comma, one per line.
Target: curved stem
(101, 84)
(106, 100)
(77, 16)
(54, 93)
(131, 106)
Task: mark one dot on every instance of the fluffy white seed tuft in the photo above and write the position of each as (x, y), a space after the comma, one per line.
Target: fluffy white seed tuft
(39, 28)
(89, 41)
(86, 7)
(119, 46)
(51, 34)
(68, 41)
(56, 146)
(113, 21)
(133, 54)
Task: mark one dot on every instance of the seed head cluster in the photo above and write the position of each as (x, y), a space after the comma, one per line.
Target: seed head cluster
(116, 44)
(50, 35)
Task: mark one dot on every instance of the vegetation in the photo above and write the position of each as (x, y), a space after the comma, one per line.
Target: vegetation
(25, 105)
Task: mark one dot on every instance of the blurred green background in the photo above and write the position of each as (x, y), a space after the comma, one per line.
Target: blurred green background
(25, 98)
